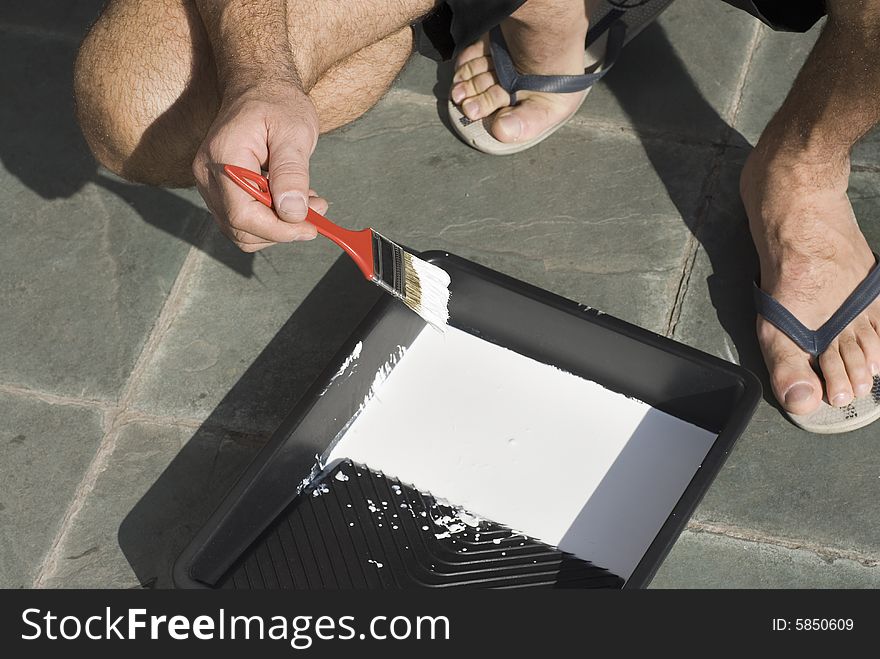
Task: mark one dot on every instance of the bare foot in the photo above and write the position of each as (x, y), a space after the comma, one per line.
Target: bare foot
(812, 255)
(537, 47)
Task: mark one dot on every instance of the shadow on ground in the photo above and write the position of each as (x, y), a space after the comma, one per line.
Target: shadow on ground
(41, 144)
(172, 502)
(731, 255)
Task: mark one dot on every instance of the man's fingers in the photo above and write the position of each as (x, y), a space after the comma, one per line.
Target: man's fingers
(250, 248)
(317, 203)
(289, 153)
(246, 221)
(250, 216)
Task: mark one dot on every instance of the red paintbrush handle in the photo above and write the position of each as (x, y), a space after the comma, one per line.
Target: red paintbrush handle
(358, 244)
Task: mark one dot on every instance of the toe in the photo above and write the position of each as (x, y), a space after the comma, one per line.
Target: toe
(526, 120)
(869, 340)
(795, 384)
(508, 126)
(854, 359)
(472, 68)
(478, 49)
(484, 104)
(838, 388)
(473, 87)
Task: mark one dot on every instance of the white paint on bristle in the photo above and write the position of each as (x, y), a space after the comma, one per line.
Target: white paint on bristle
(590, 470)
(434, 281)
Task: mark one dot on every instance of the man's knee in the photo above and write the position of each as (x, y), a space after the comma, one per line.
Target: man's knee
(103, 113)
(130, 96)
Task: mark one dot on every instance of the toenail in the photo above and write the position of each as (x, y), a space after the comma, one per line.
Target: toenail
(471, 108)
(875, 369)
(458, 94)
(841, 399)
(510, 125)
(798, 393)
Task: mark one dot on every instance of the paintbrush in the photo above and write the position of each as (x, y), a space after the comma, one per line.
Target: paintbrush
(422, 286)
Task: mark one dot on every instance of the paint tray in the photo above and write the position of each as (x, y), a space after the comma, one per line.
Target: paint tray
(357, 528)
(285, 523)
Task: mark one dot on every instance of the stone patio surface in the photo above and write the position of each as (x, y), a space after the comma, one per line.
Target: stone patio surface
(145, 360)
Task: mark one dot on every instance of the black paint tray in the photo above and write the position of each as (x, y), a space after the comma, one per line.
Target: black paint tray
(357, 528)
(253, 523)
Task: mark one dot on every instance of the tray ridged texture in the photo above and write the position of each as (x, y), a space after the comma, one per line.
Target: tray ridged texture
(355, 528)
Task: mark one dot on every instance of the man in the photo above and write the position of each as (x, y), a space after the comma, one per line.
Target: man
(168, 89)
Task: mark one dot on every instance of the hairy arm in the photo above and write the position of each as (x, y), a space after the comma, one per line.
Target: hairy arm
(265, 120)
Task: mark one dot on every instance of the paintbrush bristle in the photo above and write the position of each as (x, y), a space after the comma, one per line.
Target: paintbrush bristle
(422, 286)
(427, 289)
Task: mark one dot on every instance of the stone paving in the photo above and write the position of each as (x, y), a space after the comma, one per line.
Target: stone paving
(144, 360)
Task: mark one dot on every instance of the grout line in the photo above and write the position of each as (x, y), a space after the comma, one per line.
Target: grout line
(692, 244)
(54, 399)
(131, 414)
(739, 92)
(402, 95)
(826, 553)
(114, 418)
(865, 167)
(173, 303)
(691, 249)
(710, 185)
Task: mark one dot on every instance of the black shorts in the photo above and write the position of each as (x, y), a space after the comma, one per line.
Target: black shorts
(456, 24)
(784, 15)
(459, 23)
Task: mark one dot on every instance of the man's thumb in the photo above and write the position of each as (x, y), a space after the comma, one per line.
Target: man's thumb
(289, 180)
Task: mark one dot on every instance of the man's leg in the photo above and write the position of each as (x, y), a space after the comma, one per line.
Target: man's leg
(812, 253)
(354, 85)
(146, 86)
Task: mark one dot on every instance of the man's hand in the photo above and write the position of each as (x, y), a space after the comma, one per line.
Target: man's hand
(271, 126)
(266, 121)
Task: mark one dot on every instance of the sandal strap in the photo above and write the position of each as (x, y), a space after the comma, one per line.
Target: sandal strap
(817, 341)
(512, 81)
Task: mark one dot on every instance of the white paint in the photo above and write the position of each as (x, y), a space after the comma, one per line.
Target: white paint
(434, 284)
(527, 445)
(381, 375)
(349, 363)
(351, 359)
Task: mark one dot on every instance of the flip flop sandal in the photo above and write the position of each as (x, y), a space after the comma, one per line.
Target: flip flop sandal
(615, 23)
(828, 419)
